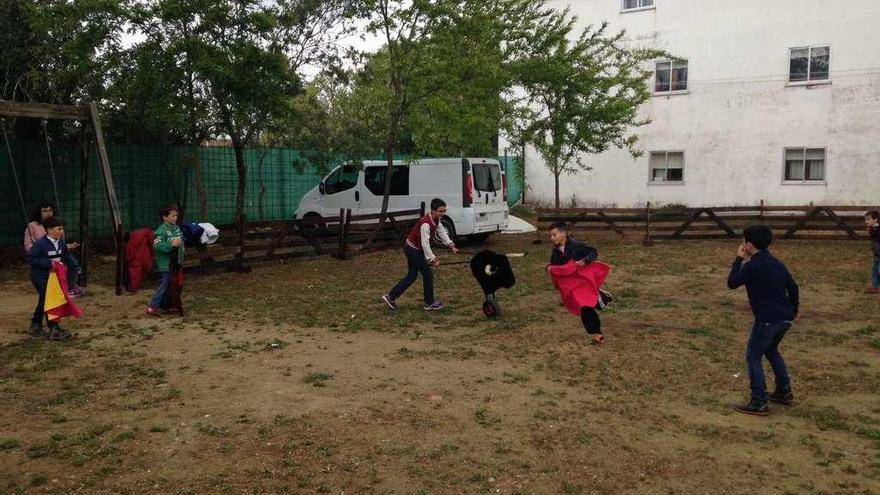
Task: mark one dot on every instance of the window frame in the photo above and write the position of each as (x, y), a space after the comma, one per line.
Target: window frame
(671, 91)
(808, 81)
(652, 182)
(624, 10)
(805, 182)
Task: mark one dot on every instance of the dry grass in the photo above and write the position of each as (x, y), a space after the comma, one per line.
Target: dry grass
(294, 379)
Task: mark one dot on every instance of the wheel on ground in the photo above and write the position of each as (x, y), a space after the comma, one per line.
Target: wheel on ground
(490, 309)
(315, 222)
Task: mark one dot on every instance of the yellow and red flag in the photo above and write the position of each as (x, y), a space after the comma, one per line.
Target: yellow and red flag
(58, 304)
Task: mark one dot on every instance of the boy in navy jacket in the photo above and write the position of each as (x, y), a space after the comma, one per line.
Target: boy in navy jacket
(42, 254)
(774, 298)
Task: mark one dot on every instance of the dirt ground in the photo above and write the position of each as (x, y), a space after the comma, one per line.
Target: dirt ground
(295, 379)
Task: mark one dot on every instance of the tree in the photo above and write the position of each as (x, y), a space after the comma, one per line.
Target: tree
(441, 75)
(583, 96)
(222, 68)
(56, 52)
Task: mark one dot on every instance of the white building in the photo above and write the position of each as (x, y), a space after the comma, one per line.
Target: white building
(777, 101)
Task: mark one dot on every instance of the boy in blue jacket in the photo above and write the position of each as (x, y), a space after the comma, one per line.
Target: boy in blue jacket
(42, 254)
(774, 298)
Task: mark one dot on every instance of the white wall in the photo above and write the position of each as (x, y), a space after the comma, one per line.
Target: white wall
(739, 113)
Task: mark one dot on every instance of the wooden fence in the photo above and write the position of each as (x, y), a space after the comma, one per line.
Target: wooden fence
(341, 236)
(650, 224)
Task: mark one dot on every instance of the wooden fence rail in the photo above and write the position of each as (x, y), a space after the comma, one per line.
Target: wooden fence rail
(342, 236)
(788, 222)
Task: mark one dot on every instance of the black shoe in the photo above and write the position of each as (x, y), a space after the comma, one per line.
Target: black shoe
(36, 331)
(782, 397)
(754, 407)
(58, 333)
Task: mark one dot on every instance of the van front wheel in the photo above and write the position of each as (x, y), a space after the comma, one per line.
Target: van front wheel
(313, 221)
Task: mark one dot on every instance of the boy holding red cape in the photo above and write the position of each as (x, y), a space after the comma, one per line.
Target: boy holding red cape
(49, 258)
(578, 277)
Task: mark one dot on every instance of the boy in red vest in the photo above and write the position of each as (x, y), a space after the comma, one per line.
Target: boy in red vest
(420, 258)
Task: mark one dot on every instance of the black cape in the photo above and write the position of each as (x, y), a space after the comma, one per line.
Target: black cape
(492, 271)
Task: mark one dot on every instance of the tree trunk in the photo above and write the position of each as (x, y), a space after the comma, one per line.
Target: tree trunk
(239, 198)
(200, 184)
(556, 183)
(522, 178)
(262, 184)
(389, 169)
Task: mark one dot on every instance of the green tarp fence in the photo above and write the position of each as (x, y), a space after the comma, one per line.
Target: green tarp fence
(147, 177)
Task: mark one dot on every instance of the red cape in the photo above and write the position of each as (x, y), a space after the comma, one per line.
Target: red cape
(579, 285)
(139, 257)
(57, 302)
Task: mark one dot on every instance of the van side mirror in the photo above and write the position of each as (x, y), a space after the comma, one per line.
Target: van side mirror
(321, 188)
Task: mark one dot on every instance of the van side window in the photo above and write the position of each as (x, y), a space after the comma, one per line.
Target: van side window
(487, 177)
(374, 179)
(342, 179)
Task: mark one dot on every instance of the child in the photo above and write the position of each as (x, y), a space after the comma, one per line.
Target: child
(167, 240)
(35, 231)
(872, 222)
(420, 258)
(773, 296)
(47, 250)
(579, 287)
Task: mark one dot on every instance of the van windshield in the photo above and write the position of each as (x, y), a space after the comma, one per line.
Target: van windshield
(487, 177)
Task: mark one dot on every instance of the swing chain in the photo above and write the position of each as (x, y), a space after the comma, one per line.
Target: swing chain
(51, 165)
(14, 170)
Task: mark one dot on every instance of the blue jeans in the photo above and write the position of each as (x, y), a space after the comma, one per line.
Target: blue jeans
(875, 274)
(764, 341)
(156, 301)
(416, 264)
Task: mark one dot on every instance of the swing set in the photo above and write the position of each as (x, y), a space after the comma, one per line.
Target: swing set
(81, 113)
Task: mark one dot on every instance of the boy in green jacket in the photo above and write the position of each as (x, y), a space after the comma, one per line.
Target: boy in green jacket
(167, 240)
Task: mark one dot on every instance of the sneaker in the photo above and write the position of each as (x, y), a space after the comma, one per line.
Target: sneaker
(605, 298)
(389, 302)
(76, 291)
(782, 397)
(434, 306)
(753, 407)
(872, 290)
(36, 331)
(58, 333)
(151, 311)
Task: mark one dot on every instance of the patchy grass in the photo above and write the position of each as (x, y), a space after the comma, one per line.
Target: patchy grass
(317, 379)
(236, 396)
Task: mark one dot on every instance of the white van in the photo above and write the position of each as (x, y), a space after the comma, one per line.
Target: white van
(475, 191)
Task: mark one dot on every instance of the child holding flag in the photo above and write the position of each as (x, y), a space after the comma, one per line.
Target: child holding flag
(49, 258)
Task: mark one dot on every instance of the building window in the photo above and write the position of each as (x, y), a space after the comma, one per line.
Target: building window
(637, 4)
(670, 75)
(667, 166)
(809, 63)
(804, 164)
